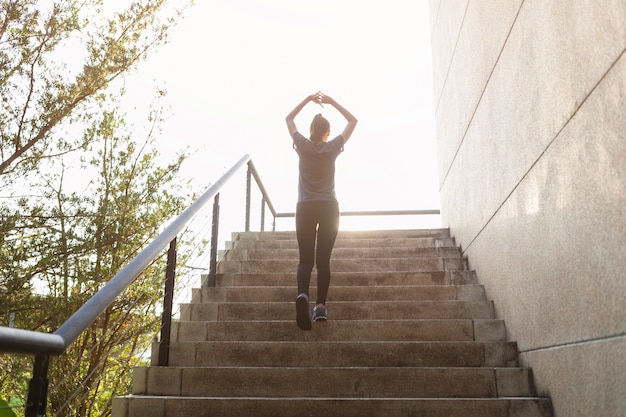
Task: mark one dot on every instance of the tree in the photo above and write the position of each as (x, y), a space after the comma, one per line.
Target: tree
(89, 235)
(39, 90)
(134, 200)
(59, 241)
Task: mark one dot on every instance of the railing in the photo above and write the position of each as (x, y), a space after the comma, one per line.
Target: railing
(44, 345)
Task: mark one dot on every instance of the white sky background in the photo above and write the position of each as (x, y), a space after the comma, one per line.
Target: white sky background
(234, 68)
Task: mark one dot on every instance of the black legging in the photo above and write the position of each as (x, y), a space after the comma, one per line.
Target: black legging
(321, 218)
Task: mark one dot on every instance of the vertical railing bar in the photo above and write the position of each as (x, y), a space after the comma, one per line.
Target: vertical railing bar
(38, 388)
(168, 300)
(214, 232)
(262, 214)
(248, 193)
(259, 183)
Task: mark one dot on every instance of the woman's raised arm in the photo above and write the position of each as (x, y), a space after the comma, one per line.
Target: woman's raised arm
(352, 121)
(291, 124)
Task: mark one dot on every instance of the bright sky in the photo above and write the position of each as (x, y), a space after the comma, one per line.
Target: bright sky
(235, 68)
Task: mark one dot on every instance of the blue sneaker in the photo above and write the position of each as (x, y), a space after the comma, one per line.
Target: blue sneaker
(320, 313)
(303, 312)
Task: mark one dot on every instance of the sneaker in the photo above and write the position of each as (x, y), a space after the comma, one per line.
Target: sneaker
(303, 312)
(320, 313)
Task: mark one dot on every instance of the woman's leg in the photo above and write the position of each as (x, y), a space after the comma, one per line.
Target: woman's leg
(326, 235)
(306, 225)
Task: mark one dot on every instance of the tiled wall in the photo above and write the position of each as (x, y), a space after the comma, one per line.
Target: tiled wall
(530, 103)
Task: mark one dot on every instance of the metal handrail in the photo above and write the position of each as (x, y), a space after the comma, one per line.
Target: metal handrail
(38, 343)
(374, 213)
(276, 214)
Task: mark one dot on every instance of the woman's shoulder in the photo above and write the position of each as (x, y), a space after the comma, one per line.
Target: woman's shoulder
(299, 141)
(338, 142)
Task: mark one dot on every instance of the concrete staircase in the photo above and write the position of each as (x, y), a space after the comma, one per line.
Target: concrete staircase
(410, 333)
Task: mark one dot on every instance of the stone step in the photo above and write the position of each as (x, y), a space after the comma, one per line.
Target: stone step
(341, 330)
(277, 240)
(340, 310)
(343, 354)
(341, 293)
(283, 278)
(347, 239)
(388, 251)
(286, 244)
(344, 382)
(349, 234)
(169, 406)
(348, 265)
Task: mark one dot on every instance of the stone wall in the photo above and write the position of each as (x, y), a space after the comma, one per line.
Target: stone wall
(530, 103)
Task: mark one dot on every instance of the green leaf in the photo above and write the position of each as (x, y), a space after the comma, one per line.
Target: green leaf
(5, 411)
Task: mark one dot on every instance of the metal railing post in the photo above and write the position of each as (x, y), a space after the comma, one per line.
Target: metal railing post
(38, 388)
(214, 232)
(266, 199)
(248, 192)
(262, 214)
(168, 300)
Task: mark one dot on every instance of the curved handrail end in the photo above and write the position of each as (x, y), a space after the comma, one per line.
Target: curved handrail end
(30, 342)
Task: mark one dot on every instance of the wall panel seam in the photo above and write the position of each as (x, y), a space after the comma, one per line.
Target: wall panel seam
(616, 337)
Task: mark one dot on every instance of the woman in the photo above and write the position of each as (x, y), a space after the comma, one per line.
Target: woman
(317, 211)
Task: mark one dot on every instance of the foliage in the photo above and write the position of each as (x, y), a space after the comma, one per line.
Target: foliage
(80, 196)
(71, 243)
(39, 90)
(5, 409)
